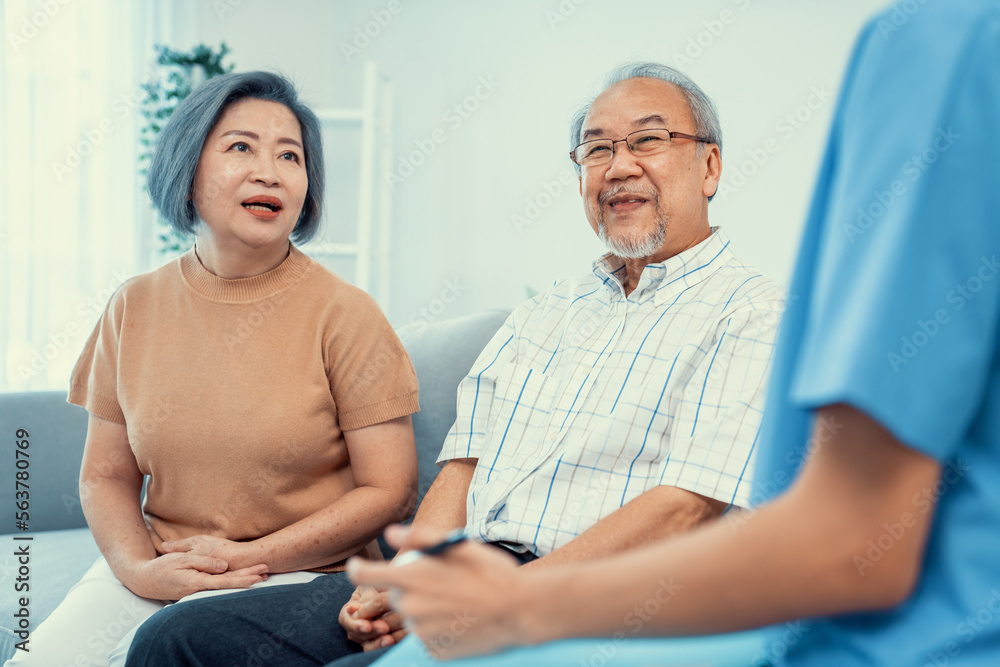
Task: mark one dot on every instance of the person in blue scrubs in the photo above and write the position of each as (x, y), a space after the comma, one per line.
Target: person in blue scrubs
(880, 452)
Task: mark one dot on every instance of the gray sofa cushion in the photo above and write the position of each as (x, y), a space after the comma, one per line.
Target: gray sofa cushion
(58, 559)
(56, 434)
(442, 354)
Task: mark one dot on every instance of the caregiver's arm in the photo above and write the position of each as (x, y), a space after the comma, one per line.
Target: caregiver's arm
(799, 556)
(806, 550)
(110, 486)
(384, 464)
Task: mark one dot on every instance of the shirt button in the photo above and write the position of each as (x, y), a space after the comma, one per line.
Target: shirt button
(553, 435)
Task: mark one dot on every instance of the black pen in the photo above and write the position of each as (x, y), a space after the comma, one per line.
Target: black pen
(453, 538)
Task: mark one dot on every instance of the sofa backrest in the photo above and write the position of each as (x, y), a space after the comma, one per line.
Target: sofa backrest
(442, 353)
(56, 432)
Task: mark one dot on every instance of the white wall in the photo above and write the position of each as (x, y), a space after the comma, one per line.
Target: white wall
(454, 215)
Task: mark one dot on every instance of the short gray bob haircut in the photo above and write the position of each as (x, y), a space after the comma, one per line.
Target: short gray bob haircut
(171, 172)
(706, 118)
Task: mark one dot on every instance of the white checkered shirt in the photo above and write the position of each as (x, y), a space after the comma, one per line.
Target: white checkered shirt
(585, 399)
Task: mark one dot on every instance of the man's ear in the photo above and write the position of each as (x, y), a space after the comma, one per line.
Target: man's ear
(580, 178)
(713, 170)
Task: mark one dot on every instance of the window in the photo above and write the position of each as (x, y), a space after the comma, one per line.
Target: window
(71, 198)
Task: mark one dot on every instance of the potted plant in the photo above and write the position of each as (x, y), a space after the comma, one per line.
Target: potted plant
(178, 73)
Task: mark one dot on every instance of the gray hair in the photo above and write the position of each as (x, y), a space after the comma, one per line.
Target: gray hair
(178, 149)
(706, 117)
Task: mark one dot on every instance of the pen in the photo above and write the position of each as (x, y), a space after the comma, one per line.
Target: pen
(453, 538)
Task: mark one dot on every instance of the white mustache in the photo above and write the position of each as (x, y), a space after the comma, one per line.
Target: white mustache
(627, 189)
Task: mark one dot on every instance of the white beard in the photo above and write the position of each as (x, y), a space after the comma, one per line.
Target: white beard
(634, 247)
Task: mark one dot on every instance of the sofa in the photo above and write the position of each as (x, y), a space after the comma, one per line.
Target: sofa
(61, 547)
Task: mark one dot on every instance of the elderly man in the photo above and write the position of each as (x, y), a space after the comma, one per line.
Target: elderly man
(613, 410)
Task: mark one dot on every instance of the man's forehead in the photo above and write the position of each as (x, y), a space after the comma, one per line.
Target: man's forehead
(593, 131)
(636, 103)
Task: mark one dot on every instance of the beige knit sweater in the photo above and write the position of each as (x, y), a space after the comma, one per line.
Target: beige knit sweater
(236, 393)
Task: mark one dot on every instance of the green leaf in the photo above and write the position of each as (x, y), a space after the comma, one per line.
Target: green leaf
(174, 82)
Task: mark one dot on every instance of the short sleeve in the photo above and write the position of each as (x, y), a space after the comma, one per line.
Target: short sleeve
(902, 317)
(94, 381)
(716, 428)
(371, 377)
(475, 396)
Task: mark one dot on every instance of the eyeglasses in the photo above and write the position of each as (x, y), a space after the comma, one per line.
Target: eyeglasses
(641, 143)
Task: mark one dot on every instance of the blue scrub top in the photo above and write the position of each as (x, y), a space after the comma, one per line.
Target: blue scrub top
(895, 309)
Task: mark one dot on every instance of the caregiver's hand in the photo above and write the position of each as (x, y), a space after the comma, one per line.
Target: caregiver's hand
(461, 602)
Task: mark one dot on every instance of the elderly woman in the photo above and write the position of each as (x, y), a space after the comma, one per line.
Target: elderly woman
(265, 401)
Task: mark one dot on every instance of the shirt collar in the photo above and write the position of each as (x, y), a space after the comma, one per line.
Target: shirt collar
(668, 278)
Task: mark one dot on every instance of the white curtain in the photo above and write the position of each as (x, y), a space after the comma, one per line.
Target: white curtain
(74, 220)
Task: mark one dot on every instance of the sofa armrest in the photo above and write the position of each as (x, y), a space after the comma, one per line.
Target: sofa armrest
(56, 432)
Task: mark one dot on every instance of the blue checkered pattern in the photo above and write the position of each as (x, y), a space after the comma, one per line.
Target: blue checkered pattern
(585, 399)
